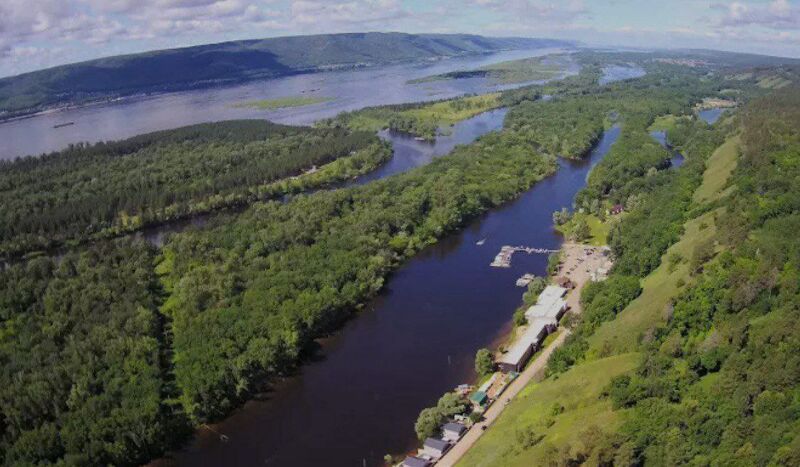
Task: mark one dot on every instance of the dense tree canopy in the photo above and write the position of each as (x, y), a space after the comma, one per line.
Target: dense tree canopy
(108, 188)
(84, 360)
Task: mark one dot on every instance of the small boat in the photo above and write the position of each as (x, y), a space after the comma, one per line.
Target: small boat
(525, 280)
(480, 242)
(62, 125)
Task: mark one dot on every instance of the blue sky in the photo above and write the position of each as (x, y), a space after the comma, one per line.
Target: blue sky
(40, 33)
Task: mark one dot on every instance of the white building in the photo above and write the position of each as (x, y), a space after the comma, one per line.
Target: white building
(542, 320)
(526, 344)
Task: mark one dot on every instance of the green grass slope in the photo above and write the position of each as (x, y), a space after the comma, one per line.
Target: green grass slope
(551, 414)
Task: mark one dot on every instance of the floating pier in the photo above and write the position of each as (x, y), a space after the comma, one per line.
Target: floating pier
(503, 259)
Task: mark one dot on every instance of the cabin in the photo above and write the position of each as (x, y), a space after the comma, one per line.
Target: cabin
(479, 399)
(435, 447)
(452, 431)
(411, 461)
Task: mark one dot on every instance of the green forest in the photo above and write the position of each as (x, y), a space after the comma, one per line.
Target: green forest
(719, 382)
(113, 352)
(104, 189)
(85, 360)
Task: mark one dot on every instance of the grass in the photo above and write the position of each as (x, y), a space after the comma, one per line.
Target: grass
(527, 69)
(598, 229)
(443, 113)
(577, 391)
(719, 167)
(774, 82)
(658, 289)
(448, 112)
(282, 102)
(664, 123)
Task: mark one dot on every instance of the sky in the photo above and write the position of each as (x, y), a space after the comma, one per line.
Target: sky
(36, 34)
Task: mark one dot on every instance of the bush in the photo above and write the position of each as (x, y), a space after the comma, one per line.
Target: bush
(484, 363)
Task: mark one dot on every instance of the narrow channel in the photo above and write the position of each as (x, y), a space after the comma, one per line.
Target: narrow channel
(360, 397)
(677, 158)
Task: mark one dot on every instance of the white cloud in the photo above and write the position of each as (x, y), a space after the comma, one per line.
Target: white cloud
(348, 12)
(778, 14)
(537, 11)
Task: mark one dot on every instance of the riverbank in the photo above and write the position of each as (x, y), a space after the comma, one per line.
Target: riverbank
(580, 262)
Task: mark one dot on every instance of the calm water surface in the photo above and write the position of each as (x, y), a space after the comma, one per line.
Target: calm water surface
(415, 341)
(710, 116)
(677, 158)
(349, 90)
(619, 73)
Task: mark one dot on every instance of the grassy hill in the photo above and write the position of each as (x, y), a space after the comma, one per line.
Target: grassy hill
(205, 65)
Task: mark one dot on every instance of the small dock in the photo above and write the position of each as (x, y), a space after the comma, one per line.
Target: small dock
(503, 259)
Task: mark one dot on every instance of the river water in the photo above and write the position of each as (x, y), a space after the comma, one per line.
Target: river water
(711, 116)
(348, 90)
(359, 397)
(677, 158)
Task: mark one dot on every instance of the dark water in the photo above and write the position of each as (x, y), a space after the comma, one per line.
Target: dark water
(349, 90)
(412, 343)
(711, 116)
(677, 158)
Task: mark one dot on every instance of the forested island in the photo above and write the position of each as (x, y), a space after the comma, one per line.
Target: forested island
(513, 71)
(115, 351)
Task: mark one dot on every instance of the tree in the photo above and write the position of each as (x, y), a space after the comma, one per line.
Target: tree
(428, 423)
(561, 217)
(580, 229)
(535, 287)
(484, 363)
(553, 262)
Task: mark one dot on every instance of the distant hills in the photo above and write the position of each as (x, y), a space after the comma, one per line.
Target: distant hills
(230, 62)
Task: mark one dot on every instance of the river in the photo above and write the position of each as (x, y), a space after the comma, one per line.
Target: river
(677, 159)
(359, 396)
(711, 116)
(348, 90)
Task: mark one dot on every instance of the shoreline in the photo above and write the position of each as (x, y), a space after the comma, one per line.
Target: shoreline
(573, 258)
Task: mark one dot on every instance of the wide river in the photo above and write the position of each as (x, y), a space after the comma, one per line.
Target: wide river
(347, 90)
(359, 397)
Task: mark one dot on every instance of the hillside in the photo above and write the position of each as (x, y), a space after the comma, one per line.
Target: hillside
(713, 334)
(205, 65)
